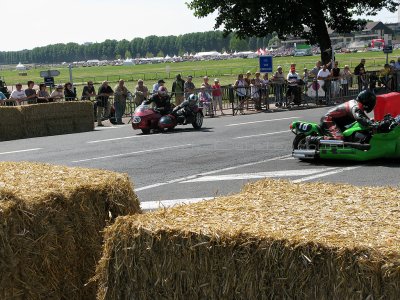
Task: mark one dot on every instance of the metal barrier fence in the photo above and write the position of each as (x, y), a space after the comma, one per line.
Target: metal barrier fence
(312, 93)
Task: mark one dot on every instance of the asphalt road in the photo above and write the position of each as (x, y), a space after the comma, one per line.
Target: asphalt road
(192, 165)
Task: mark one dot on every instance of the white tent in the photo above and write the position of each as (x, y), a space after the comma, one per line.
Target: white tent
(128, 62)
(207, 54)
(20, 67)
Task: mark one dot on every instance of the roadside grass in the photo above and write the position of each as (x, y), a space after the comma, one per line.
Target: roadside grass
(225, 70)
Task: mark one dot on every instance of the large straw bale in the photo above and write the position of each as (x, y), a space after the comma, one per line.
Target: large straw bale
(51, 222)
(58, 118)
(273, 240)
(11, 123)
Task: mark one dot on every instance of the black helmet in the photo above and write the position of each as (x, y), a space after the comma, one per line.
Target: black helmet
(367, 99)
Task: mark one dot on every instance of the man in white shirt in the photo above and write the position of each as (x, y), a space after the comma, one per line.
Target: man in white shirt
(157, 85)
(18, 95)
(293, 78)
(324, 75)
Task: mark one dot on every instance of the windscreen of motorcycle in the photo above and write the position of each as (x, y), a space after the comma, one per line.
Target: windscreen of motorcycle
(142, 108)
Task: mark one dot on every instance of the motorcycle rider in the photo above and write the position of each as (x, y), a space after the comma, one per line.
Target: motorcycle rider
(334, 122)
(186, 107)
(161, 100)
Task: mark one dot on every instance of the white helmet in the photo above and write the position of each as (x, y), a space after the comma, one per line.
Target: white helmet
(193, 99)
(162, 91)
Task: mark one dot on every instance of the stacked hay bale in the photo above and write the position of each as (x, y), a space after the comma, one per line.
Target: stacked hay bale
(58, 118)
(51, 222)
(45, 119)
(275, 239)
(11, 123)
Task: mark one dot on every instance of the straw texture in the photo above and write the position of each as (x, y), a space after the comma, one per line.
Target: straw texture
(45, 119)
(273, 240)
(51, 222)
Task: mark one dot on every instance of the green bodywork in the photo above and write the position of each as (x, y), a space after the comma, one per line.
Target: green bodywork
(383, 145)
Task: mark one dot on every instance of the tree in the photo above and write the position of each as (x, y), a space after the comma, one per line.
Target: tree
(308, 19)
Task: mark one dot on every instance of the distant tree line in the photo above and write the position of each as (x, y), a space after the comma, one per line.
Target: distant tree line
(138, 47)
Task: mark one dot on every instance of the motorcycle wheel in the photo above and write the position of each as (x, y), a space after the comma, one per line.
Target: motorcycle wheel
(198, 121)
(146, 131)
(299, 142)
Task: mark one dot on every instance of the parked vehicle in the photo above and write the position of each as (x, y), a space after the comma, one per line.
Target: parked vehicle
(360, 143)
(145, 118)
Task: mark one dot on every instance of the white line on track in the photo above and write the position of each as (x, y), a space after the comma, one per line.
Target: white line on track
(333, 172)
(208, 173)
(120, 138)
(19, 151)
(258, 175)
(152, 205)
(272, 120)
(262, 134)
(130, 153)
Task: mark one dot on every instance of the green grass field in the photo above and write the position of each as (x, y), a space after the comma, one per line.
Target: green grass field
(225, 70)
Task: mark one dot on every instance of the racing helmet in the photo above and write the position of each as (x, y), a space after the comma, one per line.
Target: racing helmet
(162, 91)
(192, 99)
(367, 99)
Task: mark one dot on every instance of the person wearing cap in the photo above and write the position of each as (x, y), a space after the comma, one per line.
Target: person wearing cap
(278, 81)
(103, 104)
(157, 85)
(207, 85)
(217, 96)
(120, 96)
(189, 86)
(178, 88)
(18, 95)
(141, 92)
(57, 94)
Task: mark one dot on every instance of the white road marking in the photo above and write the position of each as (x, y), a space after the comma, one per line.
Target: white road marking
(333, 172)
(245, 176)
(152, 205)
(105, 128)
(19, 151)
(272, 120)
(130, 153)
(208, 173)
(120, 138)
(262, 134)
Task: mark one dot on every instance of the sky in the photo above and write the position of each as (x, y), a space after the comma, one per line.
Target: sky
(43, 22)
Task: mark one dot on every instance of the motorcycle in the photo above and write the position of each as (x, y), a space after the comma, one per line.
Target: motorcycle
(145, 118)
(359, 144)
(193, 116)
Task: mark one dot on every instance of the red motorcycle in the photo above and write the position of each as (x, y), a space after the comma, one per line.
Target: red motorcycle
(145, 118)
(193, 115)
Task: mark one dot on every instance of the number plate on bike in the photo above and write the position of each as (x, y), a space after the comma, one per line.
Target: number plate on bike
(304, 127)
(136, 120)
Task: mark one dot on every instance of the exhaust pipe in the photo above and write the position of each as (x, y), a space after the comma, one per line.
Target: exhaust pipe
(304, 154)
(332, 142)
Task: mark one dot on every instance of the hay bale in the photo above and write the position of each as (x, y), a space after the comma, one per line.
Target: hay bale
(11, 123)
(58, 118)
(275, 239)
(51, 222)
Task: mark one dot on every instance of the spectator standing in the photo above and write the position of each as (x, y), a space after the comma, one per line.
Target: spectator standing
(335, 75)
(88, 91)
(141, 92)
(324, 75)
(207, 85)
(120, 96)
(189, 86)
(18, 95)
(278, 82)
(57, 94)
(42, 95)
(69, 92)
(397, 74)
(357, 71)
(30, 93)
(397, 64)
(205, 98)
(248, 82)
(345, 80)
(240, 87)
(363, 80)
(103, 105)
(315, 70)
(157, 85)
(178, 88)
(257, 90)
(265, 89)
(217, 96)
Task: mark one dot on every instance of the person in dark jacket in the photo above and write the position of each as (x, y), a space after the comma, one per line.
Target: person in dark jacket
(69, 92)
(161, 100)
